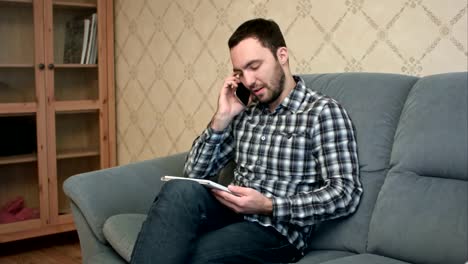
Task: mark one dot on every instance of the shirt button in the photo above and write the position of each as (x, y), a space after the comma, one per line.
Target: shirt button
(258, 162)
(263, 138)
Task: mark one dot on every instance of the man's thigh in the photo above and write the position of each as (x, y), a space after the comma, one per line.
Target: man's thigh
(243, 242)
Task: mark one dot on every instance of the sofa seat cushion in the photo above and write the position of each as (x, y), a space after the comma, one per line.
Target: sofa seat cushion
(319, 256)
(121, 231)
(365, 259)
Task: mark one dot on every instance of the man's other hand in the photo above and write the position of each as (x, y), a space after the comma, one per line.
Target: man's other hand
(245, 200)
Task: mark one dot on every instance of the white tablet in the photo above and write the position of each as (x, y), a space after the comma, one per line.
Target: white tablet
(206, 183)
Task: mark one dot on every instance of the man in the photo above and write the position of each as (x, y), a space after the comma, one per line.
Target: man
(296, 166)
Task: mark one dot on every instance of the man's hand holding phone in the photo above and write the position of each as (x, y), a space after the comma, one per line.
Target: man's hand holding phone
(229, 105)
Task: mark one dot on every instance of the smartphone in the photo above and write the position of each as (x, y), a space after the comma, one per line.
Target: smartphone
(243, 94)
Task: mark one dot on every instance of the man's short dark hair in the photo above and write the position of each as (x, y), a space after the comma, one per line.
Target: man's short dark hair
(266, 31)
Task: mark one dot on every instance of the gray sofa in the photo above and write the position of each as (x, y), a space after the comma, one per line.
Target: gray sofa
(413, 149)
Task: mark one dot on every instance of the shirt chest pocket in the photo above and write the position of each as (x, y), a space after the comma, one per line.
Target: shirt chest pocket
(289, 149)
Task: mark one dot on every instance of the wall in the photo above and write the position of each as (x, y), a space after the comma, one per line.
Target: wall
(172, 55)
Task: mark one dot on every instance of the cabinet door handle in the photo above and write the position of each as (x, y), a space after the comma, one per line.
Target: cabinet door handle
(50, 66)
(41, 66)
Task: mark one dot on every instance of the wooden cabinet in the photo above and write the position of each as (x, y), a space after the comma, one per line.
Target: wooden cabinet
(57, 115)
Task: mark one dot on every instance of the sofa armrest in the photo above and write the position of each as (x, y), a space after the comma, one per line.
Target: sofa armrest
(126, 189)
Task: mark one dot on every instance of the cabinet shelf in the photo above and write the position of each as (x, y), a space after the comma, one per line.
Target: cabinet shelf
(76, 153)
(19, 226)
(18, 159)
(16, 65)
(68, 4)
(17, 108)
(82, 106)
(60, 66)
(16, 2)
(75, 65)
(62, 154)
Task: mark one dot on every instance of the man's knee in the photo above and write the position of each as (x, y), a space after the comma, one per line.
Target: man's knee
(178, 194)
(182, 189)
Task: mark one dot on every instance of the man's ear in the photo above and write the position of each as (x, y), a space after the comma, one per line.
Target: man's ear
(282, 55)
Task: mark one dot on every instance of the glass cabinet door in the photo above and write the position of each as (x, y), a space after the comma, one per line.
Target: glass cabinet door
(19, 181)
(20, 184)
(75, 113)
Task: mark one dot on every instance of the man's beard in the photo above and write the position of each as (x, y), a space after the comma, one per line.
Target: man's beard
(277, 86)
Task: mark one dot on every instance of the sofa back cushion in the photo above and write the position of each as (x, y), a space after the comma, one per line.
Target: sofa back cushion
(421, 212)
(374, 102)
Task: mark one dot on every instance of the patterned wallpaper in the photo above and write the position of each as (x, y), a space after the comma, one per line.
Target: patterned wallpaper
(171, 55)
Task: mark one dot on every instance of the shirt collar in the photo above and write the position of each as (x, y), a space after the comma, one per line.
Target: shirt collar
(295, 98)
(293, 101)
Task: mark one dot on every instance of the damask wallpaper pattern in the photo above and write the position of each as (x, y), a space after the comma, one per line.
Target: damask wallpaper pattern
(171, 55)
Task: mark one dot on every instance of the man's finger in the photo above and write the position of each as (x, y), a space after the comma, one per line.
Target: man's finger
(238, 189)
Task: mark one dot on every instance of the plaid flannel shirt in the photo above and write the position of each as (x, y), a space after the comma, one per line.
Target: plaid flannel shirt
(303, 156)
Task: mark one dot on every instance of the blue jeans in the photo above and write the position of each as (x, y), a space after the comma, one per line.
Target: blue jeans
(186, 224)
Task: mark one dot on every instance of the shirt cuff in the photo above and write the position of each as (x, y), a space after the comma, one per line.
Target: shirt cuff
(281, 208)
(212, 136)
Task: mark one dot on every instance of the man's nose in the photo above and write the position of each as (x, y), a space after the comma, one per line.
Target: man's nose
(249, 81)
